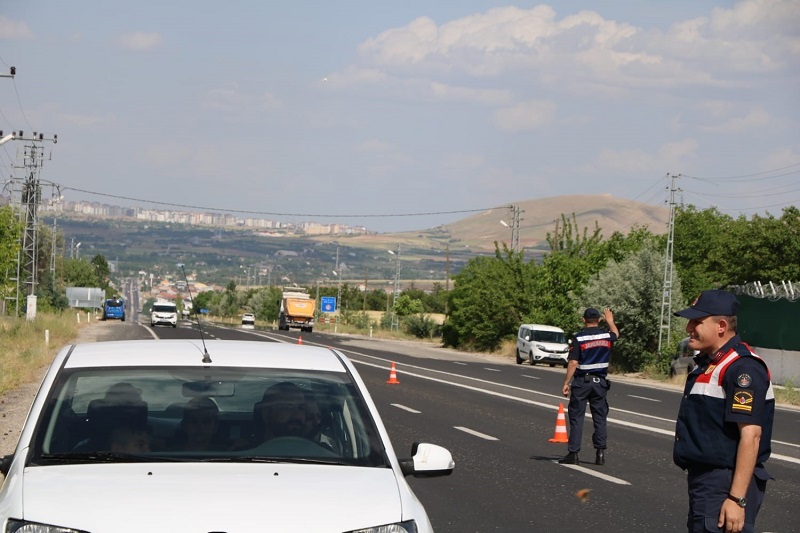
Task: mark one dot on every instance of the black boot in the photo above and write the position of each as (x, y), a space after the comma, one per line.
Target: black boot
(600, 458)
(570, 459)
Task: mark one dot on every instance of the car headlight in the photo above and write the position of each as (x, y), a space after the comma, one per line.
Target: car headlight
(400, 527)
(541, 347)
(23, 526)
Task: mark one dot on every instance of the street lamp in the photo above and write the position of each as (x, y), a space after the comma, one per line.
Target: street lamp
(396, 254)
(78, 250)
(338, 274)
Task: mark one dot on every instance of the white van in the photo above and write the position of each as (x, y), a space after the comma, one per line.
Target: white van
(164, 313)
(537, 343)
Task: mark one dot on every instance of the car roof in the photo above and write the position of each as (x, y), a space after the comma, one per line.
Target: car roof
(189, 353)
(542, 327)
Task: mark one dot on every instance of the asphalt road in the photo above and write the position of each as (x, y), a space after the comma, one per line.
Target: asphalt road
(496, 418)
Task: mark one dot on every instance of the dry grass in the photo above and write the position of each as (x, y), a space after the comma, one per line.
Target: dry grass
(23, 350)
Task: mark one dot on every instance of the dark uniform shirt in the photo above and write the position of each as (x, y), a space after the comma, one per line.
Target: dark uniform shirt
(732, 386)
(591, 347)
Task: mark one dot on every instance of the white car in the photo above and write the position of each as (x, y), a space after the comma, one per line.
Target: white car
(234, 436)
(539, 343)
(248, 319)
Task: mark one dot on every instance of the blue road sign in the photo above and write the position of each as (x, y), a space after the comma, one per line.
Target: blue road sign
(328, 304)
(203, 311)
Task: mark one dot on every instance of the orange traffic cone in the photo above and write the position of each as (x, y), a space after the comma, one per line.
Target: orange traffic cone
(561, 426)
(299, 339)
(393, 375)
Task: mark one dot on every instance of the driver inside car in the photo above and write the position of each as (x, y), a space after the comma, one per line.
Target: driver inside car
(283, 411)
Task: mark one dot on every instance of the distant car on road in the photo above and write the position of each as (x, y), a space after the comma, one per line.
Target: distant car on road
(114, 309)
(180, 435)
(683, 360)
(248, 319)
(538, 343)
(164, 313)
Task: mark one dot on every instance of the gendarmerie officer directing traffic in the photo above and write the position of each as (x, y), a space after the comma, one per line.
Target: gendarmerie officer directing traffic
(724, 428)
(588, 358)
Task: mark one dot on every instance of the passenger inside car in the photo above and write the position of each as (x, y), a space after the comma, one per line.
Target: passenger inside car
(199, 428)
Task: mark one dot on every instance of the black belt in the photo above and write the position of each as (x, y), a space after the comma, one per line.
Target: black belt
(590, 377)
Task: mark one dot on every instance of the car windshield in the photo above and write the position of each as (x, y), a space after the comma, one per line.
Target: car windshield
(549, 336)
(187, 414)
(114, 303)
(160, 308)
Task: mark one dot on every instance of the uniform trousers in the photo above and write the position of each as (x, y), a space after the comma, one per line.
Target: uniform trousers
(708, 489)
(592, 390)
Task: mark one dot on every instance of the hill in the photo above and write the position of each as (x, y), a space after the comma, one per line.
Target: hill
(538, 217)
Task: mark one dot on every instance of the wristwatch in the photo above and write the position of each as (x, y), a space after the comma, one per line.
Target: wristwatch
(741, 502)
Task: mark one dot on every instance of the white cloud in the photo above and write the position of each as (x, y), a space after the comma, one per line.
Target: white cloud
(232, 99)
(453, 93)
(14, 29)
(525, 116)
(141, 40)
(752, 36)
(640, 162)
(89, 119)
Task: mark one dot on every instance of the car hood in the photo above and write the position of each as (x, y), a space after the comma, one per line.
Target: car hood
(213, 497)
(553, 346)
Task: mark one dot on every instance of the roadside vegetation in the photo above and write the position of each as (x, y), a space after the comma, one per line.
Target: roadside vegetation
(23, 347)
(492, 294)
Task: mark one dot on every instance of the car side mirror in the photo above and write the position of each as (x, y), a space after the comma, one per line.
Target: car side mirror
(5, 464)
(428, 460)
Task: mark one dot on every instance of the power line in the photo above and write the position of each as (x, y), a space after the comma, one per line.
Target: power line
(749, 176)
(307, 215)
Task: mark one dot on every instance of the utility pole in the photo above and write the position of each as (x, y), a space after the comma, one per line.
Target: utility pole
(515, 219)
(666, 293)
(446, 279)
(396, 292)
(30, 198)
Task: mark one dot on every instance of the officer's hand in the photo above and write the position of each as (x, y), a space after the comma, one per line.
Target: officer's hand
(731, 517)
(565, 390)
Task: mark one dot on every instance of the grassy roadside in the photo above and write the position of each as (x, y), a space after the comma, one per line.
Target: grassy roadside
(23, 350)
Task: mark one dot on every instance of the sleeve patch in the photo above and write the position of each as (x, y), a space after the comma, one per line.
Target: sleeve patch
(744, 380)
(742, 402)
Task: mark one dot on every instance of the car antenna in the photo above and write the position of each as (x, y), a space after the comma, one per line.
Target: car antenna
(206, 357)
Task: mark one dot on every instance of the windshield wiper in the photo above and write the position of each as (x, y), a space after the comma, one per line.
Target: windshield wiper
(100, 457)
(263, 459)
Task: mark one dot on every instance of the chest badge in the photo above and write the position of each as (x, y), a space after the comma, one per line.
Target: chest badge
(710, 369)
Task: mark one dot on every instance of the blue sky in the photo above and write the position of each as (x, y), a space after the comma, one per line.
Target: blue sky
(324, 109)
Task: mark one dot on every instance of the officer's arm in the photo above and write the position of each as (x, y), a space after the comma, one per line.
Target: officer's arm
(731, 515)
(571, 366)
(609, 316)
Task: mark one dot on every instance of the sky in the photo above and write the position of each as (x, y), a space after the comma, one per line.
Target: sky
(405, 115)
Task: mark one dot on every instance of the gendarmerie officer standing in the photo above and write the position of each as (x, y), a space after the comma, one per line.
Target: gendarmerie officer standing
(724, 428)
(589, 356)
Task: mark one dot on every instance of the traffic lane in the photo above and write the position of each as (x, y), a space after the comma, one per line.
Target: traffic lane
(507, 477)
(632, 404)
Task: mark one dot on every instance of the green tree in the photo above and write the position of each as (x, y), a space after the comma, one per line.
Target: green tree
(406, 305)
(79, 273)
(489, 300)
(10, 232)
(632, 288)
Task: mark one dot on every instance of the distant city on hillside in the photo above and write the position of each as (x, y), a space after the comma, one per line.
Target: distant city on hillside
(271, 228)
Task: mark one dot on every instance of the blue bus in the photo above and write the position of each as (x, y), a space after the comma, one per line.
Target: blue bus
(114, 308)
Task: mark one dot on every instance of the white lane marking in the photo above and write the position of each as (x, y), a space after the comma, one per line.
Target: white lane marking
(404, 408)
(524, 400)
(530, 377)
(644, 398)
(476, 433)
(459, 363)
(595, 473)
(491, 369)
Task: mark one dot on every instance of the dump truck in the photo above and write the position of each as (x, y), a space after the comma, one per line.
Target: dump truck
(297, 310)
